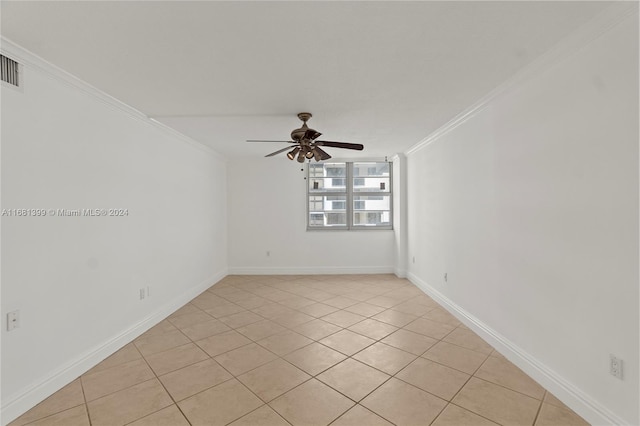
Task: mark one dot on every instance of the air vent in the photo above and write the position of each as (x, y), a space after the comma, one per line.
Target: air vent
(10, 71)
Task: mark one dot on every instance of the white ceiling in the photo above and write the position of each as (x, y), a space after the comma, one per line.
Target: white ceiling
(385, 74)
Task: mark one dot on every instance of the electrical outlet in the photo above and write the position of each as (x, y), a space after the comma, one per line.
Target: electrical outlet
(142, 293)
(615, 366)
(268, 253)
(445, 277)
(13, 320)
(414, 259)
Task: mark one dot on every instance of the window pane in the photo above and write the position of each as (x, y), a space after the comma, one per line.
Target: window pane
(338, 205)
(368, 218)
(316, 170)
(325, 219)
(319, 203)
(334, 219)
(370, 169)
(316, 219)
(327, 211)
(316, 184)
(316, 203)
(327, 177)
(335, 169)
(363, 202)
(374, 184)
(371, 210)
(327, 184)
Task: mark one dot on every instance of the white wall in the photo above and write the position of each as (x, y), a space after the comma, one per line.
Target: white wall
(267, 212)
(531, 208)
(76, 280)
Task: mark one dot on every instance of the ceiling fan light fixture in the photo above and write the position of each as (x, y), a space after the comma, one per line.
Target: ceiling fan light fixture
(306, 145)
(292, 154)
(316, 154)
(321, 154)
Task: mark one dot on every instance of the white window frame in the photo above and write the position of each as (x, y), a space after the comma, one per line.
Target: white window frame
(349, 195)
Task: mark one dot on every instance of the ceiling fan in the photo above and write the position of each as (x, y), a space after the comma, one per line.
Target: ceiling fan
(307, 147)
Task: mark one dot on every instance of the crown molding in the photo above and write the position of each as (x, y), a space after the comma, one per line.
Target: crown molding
(567, 47)
(36, 63)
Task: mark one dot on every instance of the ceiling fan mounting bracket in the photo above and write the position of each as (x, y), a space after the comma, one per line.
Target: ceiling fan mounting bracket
(305, 116)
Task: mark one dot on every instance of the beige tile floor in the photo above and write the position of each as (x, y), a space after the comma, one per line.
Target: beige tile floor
(359, 350)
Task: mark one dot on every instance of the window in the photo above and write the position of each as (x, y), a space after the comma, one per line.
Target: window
(339, 205)
(349, 195)
(316, 219)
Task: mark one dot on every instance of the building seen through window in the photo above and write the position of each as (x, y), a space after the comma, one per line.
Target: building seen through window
(349, 195)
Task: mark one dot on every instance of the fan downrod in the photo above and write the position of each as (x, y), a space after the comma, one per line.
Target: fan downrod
(297, 134)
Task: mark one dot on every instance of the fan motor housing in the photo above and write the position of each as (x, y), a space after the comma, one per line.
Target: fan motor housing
(298, 134)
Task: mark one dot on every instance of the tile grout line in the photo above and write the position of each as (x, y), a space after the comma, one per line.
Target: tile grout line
(450, 402)
(166, 391)
(308, 380)
(234, 377)
(471, 411)
(51, 415)
(256, 409)
(535, 419)
(162, 384)
(470, 376)
(315, 376)
(86, 403)
(111, 393)
(440, 413)
(302, 290)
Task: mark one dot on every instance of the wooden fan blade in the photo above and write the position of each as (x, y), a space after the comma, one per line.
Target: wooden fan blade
(311, 134)
(346, 145)
(278, 151)
(252, 140)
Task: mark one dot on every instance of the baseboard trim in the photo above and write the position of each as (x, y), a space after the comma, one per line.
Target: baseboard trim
(400, 272)
(592, 411)
(310, 270)
(59, 378)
